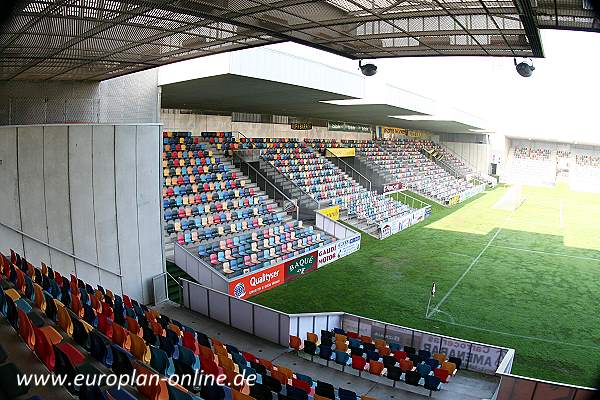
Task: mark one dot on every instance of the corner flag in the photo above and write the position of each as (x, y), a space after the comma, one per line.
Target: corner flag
(433, 289)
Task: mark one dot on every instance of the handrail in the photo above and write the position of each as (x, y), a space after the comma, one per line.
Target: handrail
(423, 204)
(64, 252)
(240, 134)
(290, 181)
(293, 201)
(353, 170)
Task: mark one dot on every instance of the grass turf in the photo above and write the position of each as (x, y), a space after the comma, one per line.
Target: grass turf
(533, 284)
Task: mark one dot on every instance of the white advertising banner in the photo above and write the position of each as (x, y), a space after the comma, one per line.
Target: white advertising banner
(339, 249)
(388, 228)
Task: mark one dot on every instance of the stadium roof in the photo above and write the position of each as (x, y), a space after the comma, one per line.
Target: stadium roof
(100, 39)
(266, 81)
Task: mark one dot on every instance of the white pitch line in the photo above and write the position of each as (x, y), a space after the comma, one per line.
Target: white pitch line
(546, 252)
(459, 280)
(518, 336)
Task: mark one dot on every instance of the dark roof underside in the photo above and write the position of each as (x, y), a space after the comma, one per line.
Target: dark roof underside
(101, 39)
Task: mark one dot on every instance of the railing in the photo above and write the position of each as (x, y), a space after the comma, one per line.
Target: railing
(269, 187)
(300, 192)
(276, 326)
(64, 252)
(160, 283)
(354, 174)
(411, 201)
(525, 388)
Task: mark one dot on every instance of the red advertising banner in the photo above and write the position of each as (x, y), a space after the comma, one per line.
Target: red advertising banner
(392, 187)
(251, 285)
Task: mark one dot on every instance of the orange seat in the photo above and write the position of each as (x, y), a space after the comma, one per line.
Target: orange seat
(286, 371)
(120, 336)
(281, 377)
(226, 362)
(139, 348)
(26, 329)
(231, 379)
(207, 353)
(241, 396)
(133, 326)
(266, 363)
(312, 337)
(450, 367)
(76, 305)
(152, 389)
(220, 350)
(340, 338)
(406, 365)
(366, 339)
(375, 367)
(441, 357)
(341, 346)
(53, 336)
(175, 329)
(380, 343)
(295, 342)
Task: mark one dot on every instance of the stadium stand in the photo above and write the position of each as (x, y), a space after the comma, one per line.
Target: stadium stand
(208, 204)
(316, 176)
(402, 160)
(74, 328)
(378, 358)
(584, 173)
(531, 165)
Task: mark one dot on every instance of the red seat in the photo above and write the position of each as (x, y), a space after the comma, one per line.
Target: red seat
(74, 355)
(44, 349)
(358, 363)
(400, 355)
(442, 374)
(301, 385)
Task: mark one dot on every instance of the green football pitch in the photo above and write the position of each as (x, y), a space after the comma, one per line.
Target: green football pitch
(528, 279)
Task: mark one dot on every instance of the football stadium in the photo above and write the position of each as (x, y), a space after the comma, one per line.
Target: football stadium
(303, 200)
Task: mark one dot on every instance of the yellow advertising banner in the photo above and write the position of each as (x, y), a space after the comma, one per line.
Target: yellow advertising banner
(331, 212)
(341, 151)
(390, 130)
(454, 200)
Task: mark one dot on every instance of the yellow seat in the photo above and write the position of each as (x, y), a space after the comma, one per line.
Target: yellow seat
(64, 319)
(13, 294)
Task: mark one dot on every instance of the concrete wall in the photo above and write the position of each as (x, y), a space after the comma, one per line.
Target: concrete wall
(196, 123)
(478, 155)
(92, 193)
(133, 98)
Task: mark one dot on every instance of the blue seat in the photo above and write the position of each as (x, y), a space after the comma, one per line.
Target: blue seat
(424, 370)
(432, 382)
(342, 358)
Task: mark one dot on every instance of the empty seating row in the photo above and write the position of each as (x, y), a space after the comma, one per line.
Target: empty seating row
(379, 358)
(124, 337)
(402, 160)
(263, 249)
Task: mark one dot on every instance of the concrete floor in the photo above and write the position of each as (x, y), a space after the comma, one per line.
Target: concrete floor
(466, 385)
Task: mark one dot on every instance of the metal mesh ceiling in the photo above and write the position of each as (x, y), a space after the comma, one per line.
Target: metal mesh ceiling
(100, 39)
